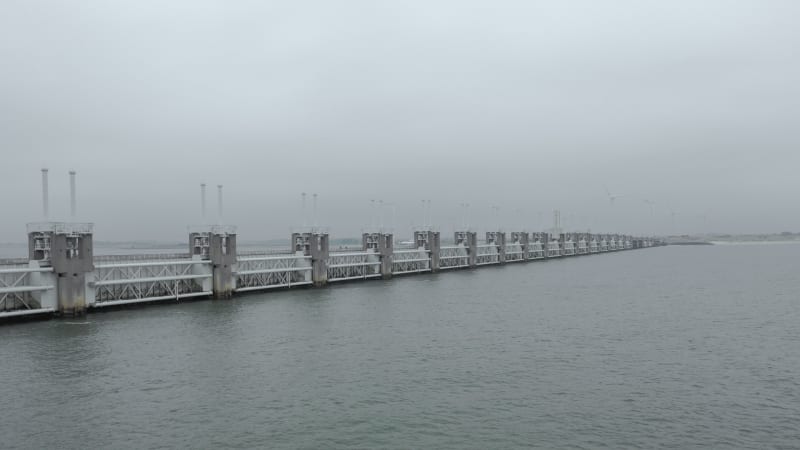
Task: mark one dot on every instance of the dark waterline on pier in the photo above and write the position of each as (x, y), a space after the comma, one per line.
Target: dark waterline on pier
(677, 346)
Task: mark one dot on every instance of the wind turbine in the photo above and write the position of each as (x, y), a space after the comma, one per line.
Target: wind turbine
(612, 197)
(704, 216)
(651, 204)
(672, 215)
(394, 215)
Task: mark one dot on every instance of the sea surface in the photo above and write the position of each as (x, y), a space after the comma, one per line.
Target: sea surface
(676, 347)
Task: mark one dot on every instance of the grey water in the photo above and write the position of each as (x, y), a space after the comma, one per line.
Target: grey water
(674, 347)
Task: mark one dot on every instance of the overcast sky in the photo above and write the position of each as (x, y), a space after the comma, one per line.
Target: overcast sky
(529, 106)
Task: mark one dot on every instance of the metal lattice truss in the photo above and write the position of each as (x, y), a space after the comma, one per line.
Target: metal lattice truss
(17, 288)
(411, 261)
(603, 245)
(583, 247)
(452, 257)
(612, 245)
(569, 248)
(352, 266)
(487, 254)
(135, 282)
(514, 252)
(535, 250)
(553, 249)
(594, 247)
(275, 271)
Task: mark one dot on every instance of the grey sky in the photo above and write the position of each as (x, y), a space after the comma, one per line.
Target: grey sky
(528, 105)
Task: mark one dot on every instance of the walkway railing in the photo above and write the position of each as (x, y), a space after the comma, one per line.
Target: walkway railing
(453, 257)
(353, 266)
(274, 271)
(514, 252)
(411, 261)
(553, 250)
(487, 254)
(19, 289)
(535, 250)
(145, 281)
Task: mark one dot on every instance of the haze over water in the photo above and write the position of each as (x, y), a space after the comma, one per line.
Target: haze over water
(667, 347)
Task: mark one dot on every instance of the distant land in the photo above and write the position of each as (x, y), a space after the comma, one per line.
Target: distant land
(698, 239)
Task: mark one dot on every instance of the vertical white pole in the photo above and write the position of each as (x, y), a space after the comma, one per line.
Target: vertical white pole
(203, 201)
(45, 196)
(315, 209)
(555, 220)
(305, 218)
(430, 215)
(72, 199)
(372, 214)
(219, 202)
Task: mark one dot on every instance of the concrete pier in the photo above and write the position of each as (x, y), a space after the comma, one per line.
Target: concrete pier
(468, 239)
(66, 248)
(520, 239)
(498, 239)
(217, 244)
(314, 244)
(383, 245)
(430, 241)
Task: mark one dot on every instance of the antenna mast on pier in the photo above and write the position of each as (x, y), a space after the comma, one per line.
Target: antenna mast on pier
(203, 201)
(315, 209)
(303, 209)
(45, 196)
(219, 203)
(72, 199)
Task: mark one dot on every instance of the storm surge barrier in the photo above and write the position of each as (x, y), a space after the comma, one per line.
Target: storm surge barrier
(63, 277)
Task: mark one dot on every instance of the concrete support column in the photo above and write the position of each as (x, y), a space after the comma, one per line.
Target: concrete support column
(319, 251)
(472, 242)
(546, 244)
(222, 253)
(500, 241)
(387, 254)
(383, 245)
(541, 238)
(71, 255)
(431, 242)
(521, 238)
